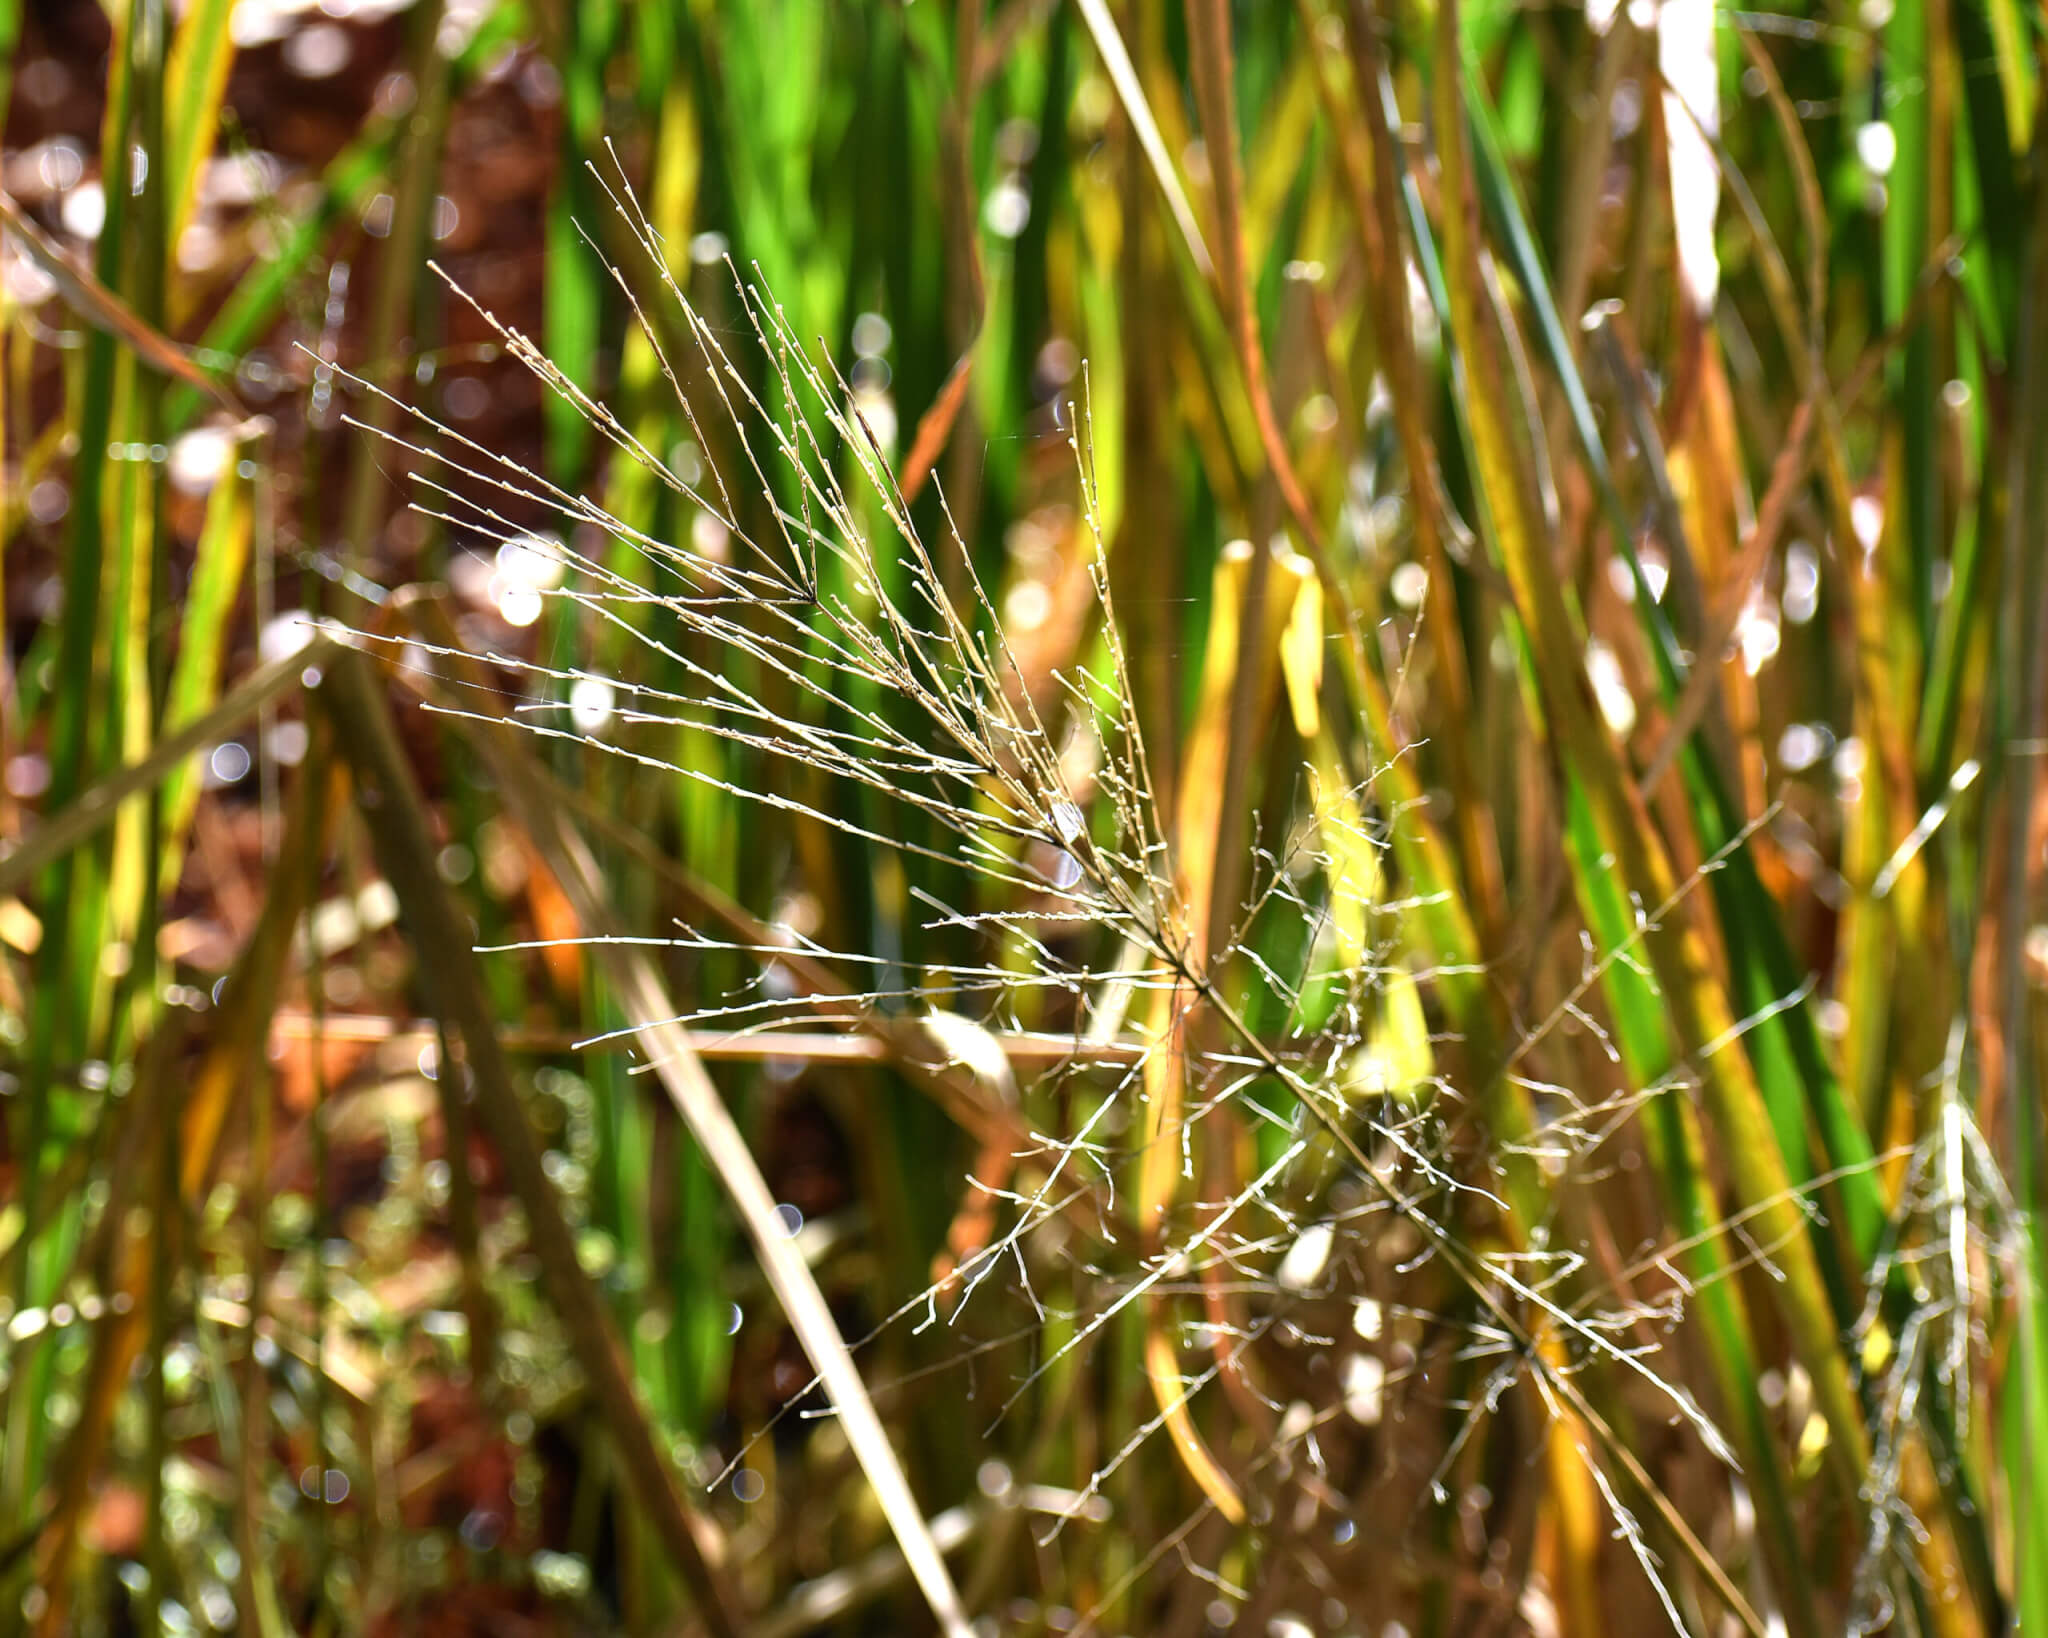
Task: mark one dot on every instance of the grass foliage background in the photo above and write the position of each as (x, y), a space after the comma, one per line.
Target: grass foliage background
(1106, 817)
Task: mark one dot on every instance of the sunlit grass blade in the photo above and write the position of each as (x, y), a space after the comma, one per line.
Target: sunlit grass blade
(192, 690)
(196, 78)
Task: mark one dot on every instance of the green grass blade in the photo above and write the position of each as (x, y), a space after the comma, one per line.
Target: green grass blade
(1784, 1043)
(196, 78)
(1697, 1012)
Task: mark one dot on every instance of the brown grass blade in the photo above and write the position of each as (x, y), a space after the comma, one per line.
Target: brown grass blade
(236, 1035)
(641, 997)
(97, 807)
(397, 821)
(106, 311)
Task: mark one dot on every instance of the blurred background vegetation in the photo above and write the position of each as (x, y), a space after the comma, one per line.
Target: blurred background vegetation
(1640, 416)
